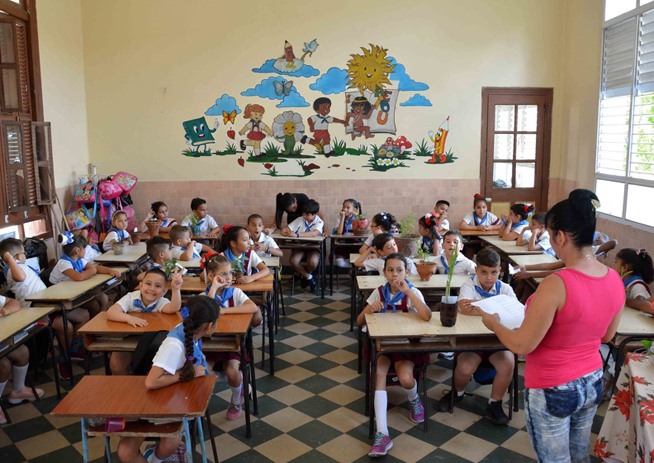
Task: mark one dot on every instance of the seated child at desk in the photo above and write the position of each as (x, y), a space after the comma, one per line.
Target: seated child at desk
(380, 223)
(158, 211)
(184, 248)
(480, 218)
(22, 279)
(440, 212)
(516, 221)
(231, 300)
(431, 238)
(149, 298)
(637, 271)
(235, 246)
(350, 210)
(463, 266)
(374, 259)
(179, 358)
(17, 363)
(398, 294)
(309, 225)
(536, 237)
(159, 252)
(483, 285)
(118, 232)
(208, 225)
(260, 242)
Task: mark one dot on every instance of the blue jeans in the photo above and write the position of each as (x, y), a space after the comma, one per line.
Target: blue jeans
(559, 419)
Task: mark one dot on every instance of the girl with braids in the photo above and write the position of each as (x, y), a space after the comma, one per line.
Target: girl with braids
(635, 267)
(179, 358)
(380, 223)
(428, 229)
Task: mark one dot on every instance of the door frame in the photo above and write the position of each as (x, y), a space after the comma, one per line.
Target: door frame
(548, 93)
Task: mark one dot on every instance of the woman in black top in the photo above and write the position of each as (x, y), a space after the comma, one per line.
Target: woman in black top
(292, 204)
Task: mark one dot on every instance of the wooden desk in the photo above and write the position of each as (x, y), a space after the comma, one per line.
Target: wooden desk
(314, 242)
(271, 262)
(438, 281)
(196, 285)
(507, 247)
(127, 397)
(131, 254)
(68, 295)
(522, 260)
(466, 233)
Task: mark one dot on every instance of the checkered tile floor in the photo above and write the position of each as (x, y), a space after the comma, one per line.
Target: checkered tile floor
(311, 410)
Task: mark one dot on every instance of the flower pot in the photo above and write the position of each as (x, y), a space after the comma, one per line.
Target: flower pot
(360, 226)
(425, 269)
(448, 310)
(118, 248)
(136, 237)
(196, 230)
(153, 228)
(236, 275)
(407, 245)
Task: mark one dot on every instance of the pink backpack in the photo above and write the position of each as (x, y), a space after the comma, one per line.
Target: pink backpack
(125, 181)
(109, 189)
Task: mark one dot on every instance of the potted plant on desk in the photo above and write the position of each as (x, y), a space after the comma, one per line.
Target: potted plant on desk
(360, 225)
(447, 308)
(237, 269)
(196, 230)
(425, 266)
(153, 226)
(407, 239)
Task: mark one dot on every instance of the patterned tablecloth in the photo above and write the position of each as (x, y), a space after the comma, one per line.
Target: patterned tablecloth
(627, 433)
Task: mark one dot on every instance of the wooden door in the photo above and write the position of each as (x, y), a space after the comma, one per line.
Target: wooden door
(515, 157)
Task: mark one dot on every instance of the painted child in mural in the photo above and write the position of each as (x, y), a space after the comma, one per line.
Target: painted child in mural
(288, 129)
(319, 125)
(255, 128)
(360, 110)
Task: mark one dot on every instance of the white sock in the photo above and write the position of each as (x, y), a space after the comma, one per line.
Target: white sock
(460, 393)
(2, 387)
(490, 401)
(154, 458)
(412, 394)
(310, 277)
(327, 148)
(236, 394)
(381, 402)
(18, 376)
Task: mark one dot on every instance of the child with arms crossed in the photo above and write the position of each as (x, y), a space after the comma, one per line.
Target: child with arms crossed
(118, 232)
(149, 298)
(15, 365)
(396, 295)
(483, 285)
(480, 218)
(231, 300)
(373, 260)
(179, 358)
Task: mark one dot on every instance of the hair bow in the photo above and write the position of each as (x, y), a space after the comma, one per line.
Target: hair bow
(595, 203)
(478, 196)
(206, 258)
(226, 227)
(66, 238)
(642, 253)
(525, 207)
(428, 217)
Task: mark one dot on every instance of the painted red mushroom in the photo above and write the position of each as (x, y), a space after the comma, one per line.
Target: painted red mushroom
(403, 143)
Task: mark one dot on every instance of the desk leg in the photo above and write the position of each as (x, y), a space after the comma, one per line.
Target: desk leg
(253, 379)
(323, 267)
(271, 342)
(353, 282)
(107, 449)
(187, 438)
(371, 391)
(85, 443)
(331, 266)
(198, 422)
(246, 385)
(54, 360)
(64, 348)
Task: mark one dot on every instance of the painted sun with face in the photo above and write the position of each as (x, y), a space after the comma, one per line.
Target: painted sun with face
(371, 70)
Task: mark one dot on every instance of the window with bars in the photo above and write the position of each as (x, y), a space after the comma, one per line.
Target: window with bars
(25, 145)
(624, 168)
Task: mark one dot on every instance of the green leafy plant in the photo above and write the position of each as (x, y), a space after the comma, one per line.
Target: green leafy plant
(169, 267)
(450, 271)
(339, 147)
(423, 254)
(423, 148)
(407, 224)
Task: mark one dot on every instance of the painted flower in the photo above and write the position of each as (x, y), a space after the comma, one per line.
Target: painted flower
(380, 162)
(288, 123)
(381, 152)
(396, 162)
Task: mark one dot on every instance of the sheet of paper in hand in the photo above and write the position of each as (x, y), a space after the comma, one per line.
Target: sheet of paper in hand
(510, 310)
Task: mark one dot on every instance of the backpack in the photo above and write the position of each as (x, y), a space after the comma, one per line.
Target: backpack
(125, 181)
(109, 189)
(85, 191)
(146, 349)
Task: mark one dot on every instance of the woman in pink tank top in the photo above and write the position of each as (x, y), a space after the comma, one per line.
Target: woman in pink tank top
(567, 318)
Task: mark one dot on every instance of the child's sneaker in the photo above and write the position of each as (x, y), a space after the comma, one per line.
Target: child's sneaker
(149, 452)
(417, 411)
(495, 413)
(233, 411)
(17, 397)
(3, 418)
(381, 445)
(64, 370)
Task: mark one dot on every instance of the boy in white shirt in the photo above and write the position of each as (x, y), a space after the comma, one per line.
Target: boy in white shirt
(262, 244)
(184, 248)
(440, 211)
(536, 237)
(463, 265)
(208, 225)
(373, 259)
(22, 279)
(306, 226)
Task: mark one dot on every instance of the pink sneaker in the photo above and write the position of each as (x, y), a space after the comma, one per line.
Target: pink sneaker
(417, 412)
(233, 411)
(17, 397)
(381, 446)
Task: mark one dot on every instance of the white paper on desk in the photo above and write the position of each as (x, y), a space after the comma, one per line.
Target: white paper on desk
(510, 310)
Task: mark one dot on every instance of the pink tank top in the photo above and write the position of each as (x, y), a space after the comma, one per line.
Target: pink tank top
(570, 349)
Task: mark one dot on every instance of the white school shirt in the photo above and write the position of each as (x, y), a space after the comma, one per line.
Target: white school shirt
(490, 219)
(519, 228)
(91, 253)
(127, 302)
(635, 289)
(463, 265)
(377, 265)
(238, 296)
(30, 285)
(319, 124)
(57, 275)
(369, 240)
(445, 225)
(208, 223)
(468, 291)
(113, 236)
(543, 241)
(171, 355)
(266, 242)
(375, 296)
(298, 225)
(177, 251)
(3, 302)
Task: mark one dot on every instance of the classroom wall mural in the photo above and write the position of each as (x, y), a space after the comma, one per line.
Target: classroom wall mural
(297, 140)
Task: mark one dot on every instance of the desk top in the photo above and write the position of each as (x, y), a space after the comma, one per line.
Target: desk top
(233, 324)
(349, 237)
(354, 256)
(479, 232)
(71, 290)
(410, 325)
(195, 263)
(370, 282)
(130, 254)
(195, 285)
(634, 322)
(306, 239)
(533, 259)
(126, 396)
(507, 247)
(157, 321)
(13, 323)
